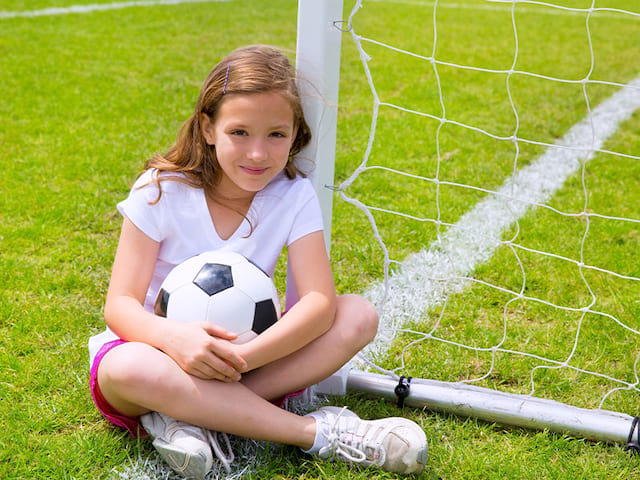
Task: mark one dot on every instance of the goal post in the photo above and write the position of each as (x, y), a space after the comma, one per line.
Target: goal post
(320, 27)
(318, 73)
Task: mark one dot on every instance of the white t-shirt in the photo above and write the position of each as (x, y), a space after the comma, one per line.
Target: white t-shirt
(283, 212)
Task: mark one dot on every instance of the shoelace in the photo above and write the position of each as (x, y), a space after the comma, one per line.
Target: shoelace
(355, 445)
(225, 457)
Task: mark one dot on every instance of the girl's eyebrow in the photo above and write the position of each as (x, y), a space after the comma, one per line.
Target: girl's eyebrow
(284, 126)
(279, 126)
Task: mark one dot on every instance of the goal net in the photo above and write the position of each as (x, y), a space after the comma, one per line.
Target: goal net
(491, 176)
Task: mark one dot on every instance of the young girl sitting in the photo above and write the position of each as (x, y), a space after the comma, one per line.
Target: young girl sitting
(230, 182)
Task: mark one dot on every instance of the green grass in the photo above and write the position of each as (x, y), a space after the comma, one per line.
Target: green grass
(85, 99)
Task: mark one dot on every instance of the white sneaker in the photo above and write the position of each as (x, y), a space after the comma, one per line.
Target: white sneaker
(394, 444)
(183, 446)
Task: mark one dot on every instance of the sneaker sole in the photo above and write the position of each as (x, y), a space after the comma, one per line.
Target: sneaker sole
(189, 466)
(421, 458)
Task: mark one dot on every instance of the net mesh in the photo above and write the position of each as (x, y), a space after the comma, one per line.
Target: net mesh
(504, 217)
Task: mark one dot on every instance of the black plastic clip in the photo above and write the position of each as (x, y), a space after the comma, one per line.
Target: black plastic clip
(339, 25)
(402, 390)
(633, 445)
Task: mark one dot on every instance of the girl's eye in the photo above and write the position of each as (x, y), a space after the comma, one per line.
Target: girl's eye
(238, 132)
(278, 134)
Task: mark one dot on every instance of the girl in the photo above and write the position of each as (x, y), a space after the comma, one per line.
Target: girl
(230, 183)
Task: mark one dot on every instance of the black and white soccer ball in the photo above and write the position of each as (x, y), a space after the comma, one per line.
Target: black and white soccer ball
(223, 288)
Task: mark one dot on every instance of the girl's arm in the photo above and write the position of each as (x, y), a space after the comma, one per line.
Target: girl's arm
(310, 317)
(200, 348)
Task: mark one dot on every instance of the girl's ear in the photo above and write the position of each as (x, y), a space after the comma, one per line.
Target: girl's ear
(207, 129)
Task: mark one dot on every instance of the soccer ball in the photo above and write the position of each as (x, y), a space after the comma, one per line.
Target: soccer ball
(223, 288)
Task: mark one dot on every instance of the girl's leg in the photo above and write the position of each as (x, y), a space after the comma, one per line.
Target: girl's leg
(354, 327)
(136, 378)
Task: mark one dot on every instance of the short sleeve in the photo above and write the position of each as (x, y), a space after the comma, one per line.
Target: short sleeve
(308, 217)
(142, 208)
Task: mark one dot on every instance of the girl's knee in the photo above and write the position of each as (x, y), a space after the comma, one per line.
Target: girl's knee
(124, 366)
(359, 318)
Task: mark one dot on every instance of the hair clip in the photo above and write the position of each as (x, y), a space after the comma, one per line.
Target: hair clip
(226, 78)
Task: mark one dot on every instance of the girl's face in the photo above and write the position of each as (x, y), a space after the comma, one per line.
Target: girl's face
(252, 134)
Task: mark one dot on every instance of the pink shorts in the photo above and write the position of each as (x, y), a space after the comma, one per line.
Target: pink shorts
(132, 424)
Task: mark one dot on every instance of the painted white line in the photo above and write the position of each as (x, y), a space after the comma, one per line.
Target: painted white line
(96, 7)
(426, 278)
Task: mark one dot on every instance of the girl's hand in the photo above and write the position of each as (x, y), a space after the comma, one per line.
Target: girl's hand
(204, 350)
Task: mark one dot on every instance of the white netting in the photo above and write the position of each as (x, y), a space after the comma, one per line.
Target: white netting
(564, 321)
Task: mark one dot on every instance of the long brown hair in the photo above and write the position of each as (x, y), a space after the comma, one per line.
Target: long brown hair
(252, 69)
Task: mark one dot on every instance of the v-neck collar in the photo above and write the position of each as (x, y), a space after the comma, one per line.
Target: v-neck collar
(240, 229)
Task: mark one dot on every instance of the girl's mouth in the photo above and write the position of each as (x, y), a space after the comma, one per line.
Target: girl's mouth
(253, 170)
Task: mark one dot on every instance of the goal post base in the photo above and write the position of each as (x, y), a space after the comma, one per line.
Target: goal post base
(336, 384)
(499, 407)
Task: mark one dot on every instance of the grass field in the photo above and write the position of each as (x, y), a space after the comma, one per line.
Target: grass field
(86, 98)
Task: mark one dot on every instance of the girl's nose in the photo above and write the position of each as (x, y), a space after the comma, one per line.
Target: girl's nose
(258, 151)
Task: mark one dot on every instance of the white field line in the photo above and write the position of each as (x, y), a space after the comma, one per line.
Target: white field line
(96, 7)
(426, 278)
